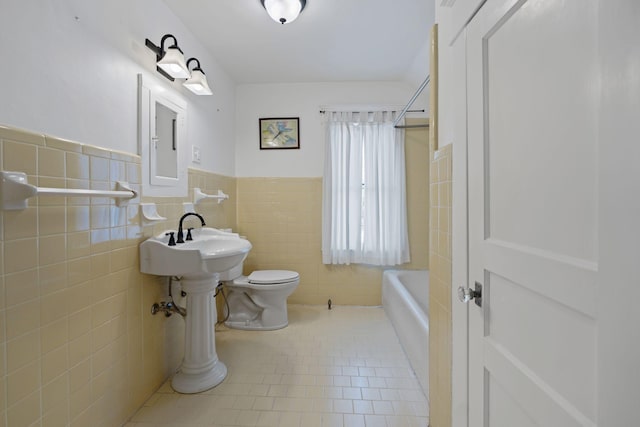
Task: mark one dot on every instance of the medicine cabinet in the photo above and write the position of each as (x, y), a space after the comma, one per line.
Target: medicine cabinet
(162, 120)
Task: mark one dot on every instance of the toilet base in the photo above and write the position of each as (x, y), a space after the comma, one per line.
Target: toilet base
(196, 383)
(253, 326)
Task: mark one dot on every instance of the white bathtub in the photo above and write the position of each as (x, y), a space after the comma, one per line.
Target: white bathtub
(405, 299)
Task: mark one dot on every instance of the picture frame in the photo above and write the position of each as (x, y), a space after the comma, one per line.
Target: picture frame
(278, 133)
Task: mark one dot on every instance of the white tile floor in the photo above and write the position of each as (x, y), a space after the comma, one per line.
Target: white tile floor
(339, 367)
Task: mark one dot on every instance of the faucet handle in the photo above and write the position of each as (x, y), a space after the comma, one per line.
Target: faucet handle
(172, 240)
(189, 234)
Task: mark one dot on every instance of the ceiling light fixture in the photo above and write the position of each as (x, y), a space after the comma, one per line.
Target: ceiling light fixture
(197, 83)
(284, 11)
(170, 62)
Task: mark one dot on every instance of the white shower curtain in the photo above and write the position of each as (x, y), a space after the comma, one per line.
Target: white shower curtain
(364, 197)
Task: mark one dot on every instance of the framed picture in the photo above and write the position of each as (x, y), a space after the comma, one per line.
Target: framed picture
(280, 133)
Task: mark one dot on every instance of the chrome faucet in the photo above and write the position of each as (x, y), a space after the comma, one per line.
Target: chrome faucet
(180, 236)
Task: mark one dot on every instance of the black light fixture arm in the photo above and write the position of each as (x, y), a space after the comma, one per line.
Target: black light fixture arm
(160, 51)
(197, 67)
(175, 42)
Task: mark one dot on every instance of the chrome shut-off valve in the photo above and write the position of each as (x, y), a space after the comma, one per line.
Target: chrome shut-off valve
(168, 308)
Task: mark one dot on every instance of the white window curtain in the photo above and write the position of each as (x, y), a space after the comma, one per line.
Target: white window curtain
(364, 196)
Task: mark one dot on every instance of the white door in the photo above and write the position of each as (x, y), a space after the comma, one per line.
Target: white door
(532, 70)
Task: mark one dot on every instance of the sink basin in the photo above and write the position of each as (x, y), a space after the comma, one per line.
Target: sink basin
(211, 251)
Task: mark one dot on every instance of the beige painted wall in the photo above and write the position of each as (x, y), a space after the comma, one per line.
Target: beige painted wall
(282, 217)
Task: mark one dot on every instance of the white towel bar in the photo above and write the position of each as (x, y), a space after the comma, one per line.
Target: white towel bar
(15, 190)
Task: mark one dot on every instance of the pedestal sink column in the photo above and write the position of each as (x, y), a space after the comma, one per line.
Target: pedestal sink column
(201, 369)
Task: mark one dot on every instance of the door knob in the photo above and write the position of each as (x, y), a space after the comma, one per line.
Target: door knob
(467, 294)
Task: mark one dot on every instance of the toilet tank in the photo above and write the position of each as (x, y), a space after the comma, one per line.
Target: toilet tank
(232, 274)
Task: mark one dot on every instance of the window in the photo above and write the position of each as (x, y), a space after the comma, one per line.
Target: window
(364, 197)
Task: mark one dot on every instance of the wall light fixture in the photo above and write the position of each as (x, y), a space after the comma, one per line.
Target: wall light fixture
(197, 83)
(170, 62)
(284, 11)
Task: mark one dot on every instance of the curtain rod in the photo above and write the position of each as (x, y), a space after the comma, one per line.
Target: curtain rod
(412, 100)
(411, 126)
(408, 111)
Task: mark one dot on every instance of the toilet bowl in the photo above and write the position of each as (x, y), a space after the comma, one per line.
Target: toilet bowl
(259, 301)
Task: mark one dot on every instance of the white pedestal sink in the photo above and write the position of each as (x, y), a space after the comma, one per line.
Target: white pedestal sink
(199, 263)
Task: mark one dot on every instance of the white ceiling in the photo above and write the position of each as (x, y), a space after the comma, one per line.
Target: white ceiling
(332, 40)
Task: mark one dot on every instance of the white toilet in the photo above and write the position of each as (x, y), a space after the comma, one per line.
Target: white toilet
(258, 302)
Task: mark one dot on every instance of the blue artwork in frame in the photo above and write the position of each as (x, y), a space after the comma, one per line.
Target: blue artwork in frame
(280, 133)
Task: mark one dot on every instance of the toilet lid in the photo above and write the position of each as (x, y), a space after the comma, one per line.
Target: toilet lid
(272, 276)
